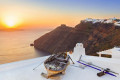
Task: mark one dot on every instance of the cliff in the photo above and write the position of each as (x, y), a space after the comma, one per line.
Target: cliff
(95, 37)
(53, 41)
(103, 37)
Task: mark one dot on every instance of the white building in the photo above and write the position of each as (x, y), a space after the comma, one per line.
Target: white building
(117, 23)
(114, 52)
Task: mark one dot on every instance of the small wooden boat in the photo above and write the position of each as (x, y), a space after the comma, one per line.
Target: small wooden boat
(56, 64)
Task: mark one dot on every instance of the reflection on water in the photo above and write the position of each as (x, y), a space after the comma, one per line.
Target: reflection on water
(15, 46)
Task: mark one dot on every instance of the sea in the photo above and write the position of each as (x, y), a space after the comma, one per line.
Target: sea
(15, 45)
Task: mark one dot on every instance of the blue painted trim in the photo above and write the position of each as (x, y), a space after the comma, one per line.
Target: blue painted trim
(96, 68)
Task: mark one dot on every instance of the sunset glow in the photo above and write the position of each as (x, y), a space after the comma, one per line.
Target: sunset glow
(10, 21)
(46, 13)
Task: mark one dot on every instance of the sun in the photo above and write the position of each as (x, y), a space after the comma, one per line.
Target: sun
(10, 21)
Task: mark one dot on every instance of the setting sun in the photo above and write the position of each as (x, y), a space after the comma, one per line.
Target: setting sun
(10, 21)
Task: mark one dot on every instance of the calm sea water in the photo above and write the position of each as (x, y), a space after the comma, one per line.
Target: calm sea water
(15, 46)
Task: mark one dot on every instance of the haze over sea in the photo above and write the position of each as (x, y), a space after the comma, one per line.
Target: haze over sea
(15, 45)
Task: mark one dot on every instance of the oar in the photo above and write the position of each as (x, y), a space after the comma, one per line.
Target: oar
(71, 59)
(38, 65)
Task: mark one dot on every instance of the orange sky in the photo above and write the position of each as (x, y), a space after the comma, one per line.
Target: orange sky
(32, 16)
(48, 14)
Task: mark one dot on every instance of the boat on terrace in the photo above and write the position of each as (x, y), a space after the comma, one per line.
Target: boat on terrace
(56, 64)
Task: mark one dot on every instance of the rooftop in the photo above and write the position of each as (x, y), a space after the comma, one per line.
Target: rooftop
(23, 70)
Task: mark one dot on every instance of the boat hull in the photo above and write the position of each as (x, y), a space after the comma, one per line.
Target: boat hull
(51, 72)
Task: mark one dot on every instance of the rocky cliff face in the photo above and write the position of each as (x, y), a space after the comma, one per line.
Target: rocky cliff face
(103, 37)
(95, 37)
(53, 41)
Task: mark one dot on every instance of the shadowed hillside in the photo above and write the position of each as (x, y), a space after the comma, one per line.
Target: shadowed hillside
(95, 37)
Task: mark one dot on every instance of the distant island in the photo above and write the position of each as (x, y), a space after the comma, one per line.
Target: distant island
(11, 29)
(96, 35)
